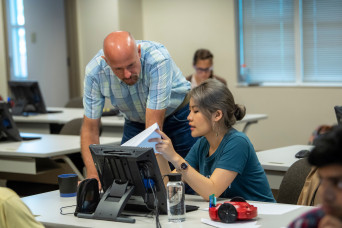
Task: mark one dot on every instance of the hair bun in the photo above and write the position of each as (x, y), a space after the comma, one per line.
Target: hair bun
(240, 111)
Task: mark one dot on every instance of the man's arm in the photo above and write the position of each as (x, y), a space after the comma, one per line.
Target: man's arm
(89, 135)
(153, 116)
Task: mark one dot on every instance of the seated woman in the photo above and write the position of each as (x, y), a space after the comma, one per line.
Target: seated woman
(223, 161)
(203, 65)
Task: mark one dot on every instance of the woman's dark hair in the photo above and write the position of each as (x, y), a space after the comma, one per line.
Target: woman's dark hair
(328, 148)
(202, 54)
(212, 95)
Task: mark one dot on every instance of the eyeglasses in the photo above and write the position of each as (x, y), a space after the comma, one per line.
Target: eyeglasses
(203, 70)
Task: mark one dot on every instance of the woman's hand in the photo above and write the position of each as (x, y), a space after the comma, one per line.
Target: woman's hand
(165, 147)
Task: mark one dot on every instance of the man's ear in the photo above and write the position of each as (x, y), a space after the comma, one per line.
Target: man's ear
(139, 50)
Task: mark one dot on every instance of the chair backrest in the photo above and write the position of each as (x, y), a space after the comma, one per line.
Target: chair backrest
(293, 182)
(73, 127)
(76, 102)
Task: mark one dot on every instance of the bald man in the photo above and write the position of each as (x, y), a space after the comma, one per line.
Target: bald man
(142, 81)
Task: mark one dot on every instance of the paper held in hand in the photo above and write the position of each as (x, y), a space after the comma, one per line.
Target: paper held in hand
(141, 139)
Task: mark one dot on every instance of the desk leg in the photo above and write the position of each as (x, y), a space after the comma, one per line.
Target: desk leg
(247, 125)
(71, 164)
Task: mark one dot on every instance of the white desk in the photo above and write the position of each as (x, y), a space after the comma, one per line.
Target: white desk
(22, 157)
(277, 161)
(111, 125)
(47, 207)
(40, 123)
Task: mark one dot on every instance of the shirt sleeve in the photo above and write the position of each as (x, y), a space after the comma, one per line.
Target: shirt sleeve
(93, 100)
(14, 213)
(235, 155)
(160, 89)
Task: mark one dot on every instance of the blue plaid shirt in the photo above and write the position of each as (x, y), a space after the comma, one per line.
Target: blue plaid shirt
(161, 85)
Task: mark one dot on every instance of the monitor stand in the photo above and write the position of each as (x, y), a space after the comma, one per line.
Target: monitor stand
(112, 203)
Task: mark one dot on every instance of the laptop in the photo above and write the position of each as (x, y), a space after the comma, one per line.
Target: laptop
(8, 128)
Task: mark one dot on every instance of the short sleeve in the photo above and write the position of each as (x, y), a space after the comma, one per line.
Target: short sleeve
(235, 155)
(160, 89)
(14, 213)
(93, 100)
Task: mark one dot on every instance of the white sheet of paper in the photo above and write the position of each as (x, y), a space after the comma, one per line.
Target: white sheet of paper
(141, 139)
(274, 208)
(245, 224)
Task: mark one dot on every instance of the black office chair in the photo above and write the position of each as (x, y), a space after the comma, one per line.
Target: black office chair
(76, 102)
(293, 182)
(73, 127)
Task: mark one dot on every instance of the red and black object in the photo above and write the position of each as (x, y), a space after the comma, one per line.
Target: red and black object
(230, 211)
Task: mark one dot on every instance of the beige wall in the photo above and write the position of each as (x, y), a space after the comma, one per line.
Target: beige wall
(184, 26)
(130, 17)
(95, 20)
(3, 67)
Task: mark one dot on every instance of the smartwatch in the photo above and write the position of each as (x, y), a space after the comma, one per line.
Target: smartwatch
(184, 166)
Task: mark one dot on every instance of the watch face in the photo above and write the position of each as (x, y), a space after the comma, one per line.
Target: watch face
(184, 166)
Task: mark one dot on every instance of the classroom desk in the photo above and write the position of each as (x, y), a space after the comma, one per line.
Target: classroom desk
(24, 156)
(277, 161)
(47, 208)
(42, 123)
(111, 125)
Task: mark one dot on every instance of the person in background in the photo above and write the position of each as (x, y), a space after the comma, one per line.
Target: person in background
(327, 157)
(143, 82)
(222, 161)
(13, 211)
(203, 65)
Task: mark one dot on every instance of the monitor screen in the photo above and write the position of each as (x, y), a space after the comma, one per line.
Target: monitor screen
(8, 129)
(134, 168)
(27, 98)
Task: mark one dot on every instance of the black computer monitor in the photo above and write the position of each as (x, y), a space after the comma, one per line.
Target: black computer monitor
(130, 178)
(8, 129)
(27, 98)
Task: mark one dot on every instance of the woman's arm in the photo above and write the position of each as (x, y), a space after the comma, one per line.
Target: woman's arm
(216, 184)
(164, 167)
